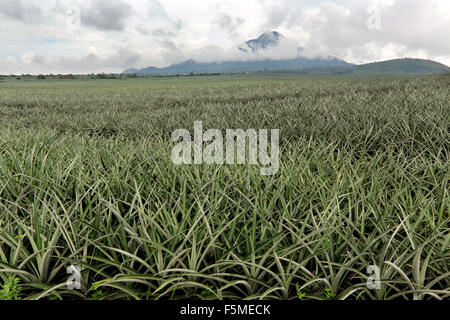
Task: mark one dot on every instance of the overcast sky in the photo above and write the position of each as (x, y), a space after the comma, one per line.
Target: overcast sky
(84, 36)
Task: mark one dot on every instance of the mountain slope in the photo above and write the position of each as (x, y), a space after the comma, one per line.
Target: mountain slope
(330, 65)
(406, 65)
(296, 64)
(264, 41)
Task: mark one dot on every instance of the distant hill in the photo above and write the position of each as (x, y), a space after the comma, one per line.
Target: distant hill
(304, 65)
(192, 66)
(406, 65)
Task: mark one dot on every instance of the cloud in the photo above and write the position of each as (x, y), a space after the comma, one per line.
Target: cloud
(33, 63)
(36, 36)
(407, 27)
(158, 15)
(106, 15)
(123, 58)
(17, 10)
(156, 9)
(275, 17)
(32, 58)
(94, 62)
(228, 22)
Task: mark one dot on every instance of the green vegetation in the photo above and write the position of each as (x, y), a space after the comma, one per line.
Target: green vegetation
(10, 290)
(86, 178)
(413, 66)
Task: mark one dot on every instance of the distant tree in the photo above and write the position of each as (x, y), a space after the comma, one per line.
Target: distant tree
(41, 76)
(106, 76)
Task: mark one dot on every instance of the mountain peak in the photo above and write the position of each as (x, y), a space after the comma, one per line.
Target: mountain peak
(267, 39)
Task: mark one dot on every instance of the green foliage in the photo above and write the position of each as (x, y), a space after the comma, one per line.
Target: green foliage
(66, 76)
(86, 177)
(301, 295)
(11, 289)
(328, 293)
(105, 76)
(98, 295)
